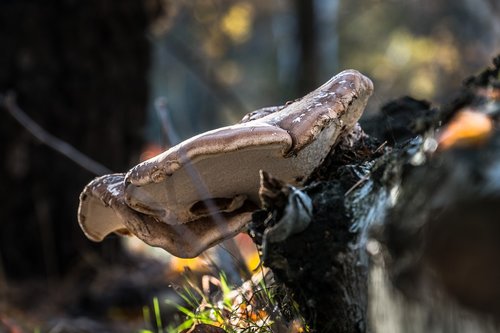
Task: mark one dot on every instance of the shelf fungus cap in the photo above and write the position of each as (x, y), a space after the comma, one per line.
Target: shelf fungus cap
(103, 211)
(204, 189)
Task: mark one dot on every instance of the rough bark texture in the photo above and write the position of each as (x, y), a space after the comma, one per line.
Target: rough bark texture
(80, 70)
(324, 270)
(442, 236)
(428, 217)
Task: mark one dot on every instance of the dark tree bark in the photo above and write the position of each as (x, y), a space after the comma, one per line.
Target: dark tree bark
(325, 267)
(404, 235)
(307, 44)
(79, 69)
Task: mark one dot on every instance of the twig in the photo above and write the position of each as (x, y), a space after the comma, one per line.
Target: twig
(358, 183)
(169, 133)
(64, 148)
(229, 245)
(382, 146)
(367, 176)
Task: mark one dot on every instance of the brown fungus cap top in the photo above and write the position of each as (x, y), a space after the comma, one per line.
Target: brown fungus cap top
(203, 190)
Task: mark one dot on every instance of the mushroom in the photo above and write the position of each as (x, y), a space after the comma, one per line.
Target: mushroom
(103, 211)
(202, 191)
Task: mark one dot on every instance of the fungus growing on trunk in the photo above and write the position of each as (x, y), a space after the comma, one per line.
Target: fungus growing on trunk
(202, 191)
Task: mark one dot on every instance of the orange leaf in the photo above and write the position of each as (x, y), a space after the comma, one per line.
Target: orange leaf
(467, 128)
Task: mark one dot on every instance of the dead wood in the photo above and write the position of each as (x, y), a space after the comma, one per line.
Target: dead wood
(404, 235)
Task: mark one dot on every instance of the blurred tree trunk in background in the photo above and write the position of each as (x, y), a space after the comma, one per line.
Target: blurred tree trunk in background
(308, 49)
(80, 70)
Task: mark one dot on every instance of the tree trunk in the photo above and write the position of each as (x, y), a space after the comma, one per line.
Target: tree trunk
(307, 46)
(79, 69)
(404, 235)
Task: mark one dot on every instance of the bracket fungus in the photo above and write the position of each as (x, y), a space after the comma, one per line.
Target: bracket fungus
(204, 190)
